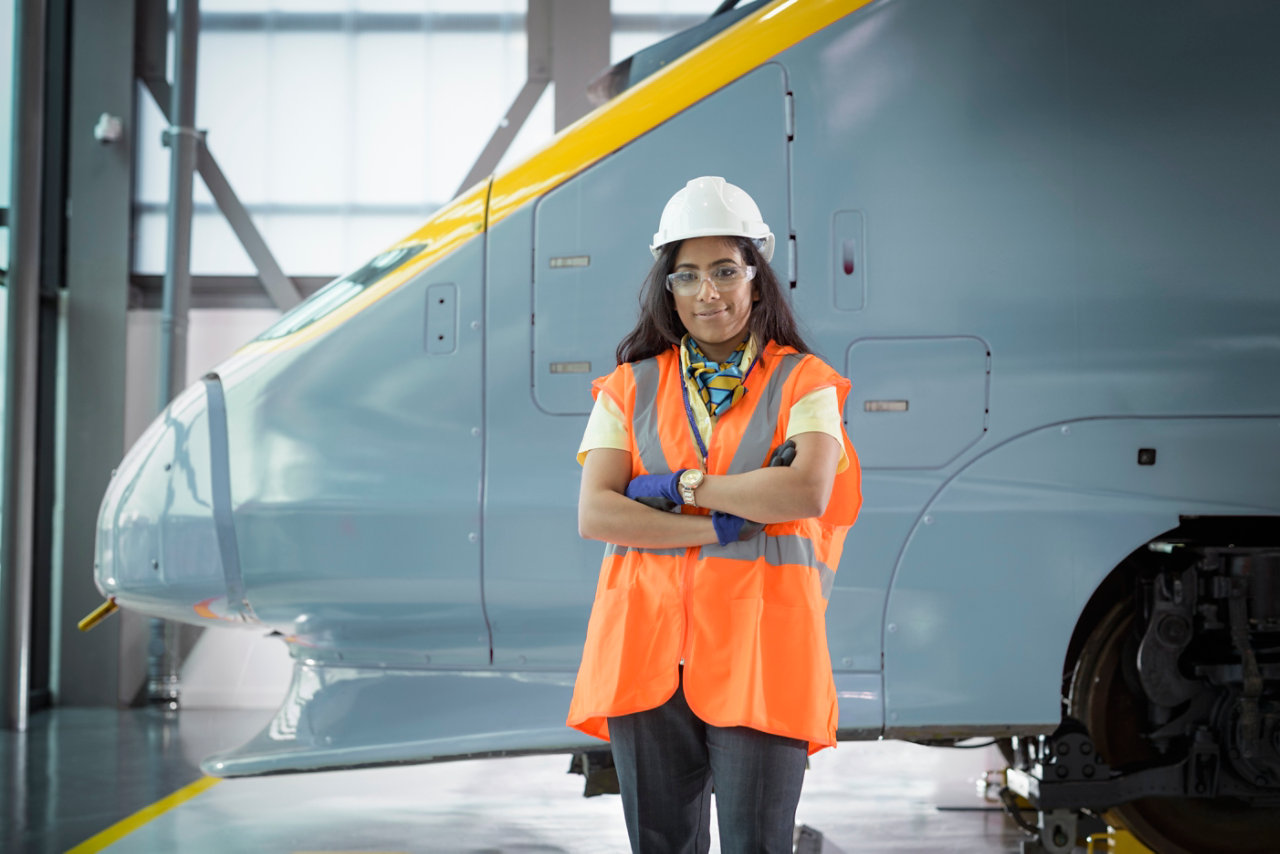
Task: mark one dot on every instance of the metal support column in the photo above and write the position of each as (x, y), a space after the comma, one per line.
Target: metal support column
(106, 666)
(21, 345)
(579, 53)
(184, 143)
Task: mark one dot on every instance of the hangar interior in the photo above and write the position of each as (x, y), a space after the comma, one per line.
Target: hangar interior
(176, 175)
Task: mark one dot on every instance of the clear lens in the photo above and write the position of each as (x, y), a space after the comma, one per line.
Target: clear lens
(725, 278)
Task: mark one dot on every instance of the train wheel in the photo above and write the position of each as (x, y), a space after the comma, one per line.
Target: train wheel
(1106, 696)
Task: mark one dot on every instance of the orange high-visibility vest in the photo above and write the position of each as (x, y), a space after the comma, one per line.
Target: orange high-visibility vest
(747, 619)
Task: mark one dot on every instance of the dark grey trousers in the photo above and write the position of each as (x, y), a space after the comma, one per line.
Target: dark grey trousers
(668, 760)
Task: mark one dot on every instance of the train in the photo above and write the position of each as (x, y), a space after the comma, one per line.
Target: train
(1042, 240)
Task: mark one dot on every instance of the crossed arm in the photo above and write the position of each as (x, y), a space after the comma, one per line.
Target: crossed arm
(777, 494)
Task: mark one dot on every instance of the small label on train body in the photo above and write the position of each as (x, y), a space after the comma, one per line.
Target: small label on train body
(885, 406)
(571, 261)
(570, 367)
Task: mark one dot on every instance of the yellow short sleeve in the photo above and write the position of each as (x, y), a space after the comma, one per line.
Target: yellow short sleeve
(606, 428)
(818, 412)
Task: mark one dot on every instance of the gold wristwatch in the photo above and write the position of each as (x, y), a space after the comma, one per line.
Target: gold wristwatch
(690, 479)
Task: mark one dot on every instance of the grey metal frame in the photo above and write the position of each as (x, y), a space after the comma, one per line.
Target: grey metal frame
(52, 266)
(183, 140)
(104, 668)
(230, 291)
(21, 342)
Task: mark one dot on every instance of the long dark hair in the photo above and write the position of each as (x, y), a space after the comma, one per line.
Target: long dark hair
(659, 326)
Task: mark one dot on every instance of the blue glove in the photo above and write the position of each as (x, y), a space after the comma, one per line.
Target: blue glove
(657, 490)
(731, 528)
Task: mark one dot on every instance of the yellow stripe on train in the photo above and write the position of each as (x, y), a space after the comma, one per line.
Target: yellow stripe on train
(707, 68)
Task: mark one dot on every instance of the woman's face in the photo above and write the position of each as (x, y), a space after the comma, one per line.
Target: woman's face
(716, 320)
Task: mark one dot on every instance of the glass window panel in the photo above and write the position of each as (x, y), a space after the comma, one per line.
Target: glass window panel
(664, 7)
(309, 244)
(214, 247)
(537, 131)
(389, 122)
(512, 7)
(308, 132)
(465, 108)
(309, 125)
(306, 5)
(370, 234)
(232, 6)
(515, 7)
(233, 106)
(148, 243)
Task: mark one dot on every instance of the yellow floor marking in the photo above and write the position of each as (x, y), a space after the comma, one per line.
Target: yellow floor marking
(128, 825)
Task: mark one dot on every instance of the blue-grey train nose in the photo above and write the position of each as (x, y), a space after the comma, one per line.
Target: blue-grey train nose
(165, 542)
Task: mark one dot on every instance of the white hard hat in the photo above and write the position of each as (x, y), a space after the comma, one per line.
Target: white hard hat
(712, 207)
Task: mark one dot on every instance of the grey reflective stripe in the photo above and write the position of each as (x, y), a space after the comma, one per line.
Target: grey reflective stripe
(776, 551)
(827, 577)
(756, 439)
(645, 419)
(783, 550)
(220, 496)
(612, 550)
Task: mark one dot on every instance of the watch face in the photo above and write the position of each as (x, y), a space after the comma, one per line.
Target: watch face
(691, 478)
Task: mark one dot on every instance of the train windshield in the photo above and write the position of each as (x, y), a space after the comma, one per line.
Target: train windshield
(340, 291)
(637, 67)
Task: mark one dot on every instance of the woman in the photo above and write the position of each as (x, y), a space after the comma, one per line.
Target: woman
(706, 658)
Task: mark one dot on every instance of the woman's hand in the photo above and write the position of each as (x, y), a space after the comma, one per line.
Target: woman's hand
(731, 528)
(657, 490)
(772, 494)
(779, 493)
(606, 513)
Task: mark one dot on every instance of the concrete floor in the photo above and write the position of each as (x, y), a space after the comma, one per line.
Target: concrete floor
(78, 772)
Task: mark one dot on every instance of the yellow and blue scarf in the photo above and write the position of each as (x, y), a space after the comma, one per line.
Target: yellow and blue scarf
(719, 382)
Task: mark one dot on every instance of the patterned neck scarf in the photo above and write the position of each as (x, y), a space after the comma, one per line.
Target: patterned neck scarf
(719, 382)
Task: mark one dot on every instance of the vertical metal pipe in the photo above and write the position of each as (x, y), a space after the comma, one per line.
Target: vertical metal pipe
(182, 164)
(162, 657)
(21, 345)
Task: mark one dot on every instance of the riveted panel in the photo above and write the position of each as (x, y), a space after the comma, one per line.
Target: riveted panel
(916, 402)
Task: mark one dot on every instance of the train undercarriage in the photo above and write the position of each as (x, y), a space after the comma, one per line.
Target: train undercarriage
(1171, 723)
